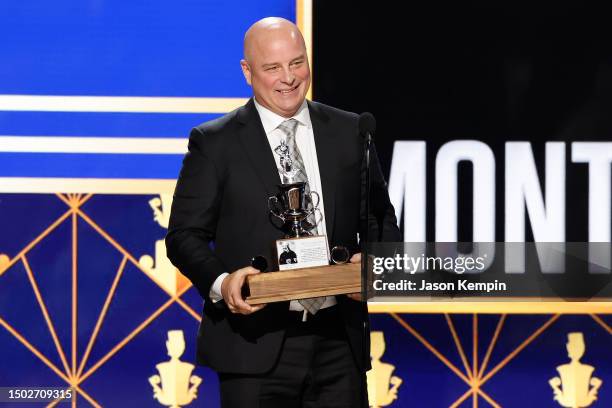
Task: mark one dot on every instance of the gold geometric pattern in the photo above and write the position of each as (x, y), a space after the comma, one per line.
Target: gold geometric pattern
(474, 374)
(72, 372)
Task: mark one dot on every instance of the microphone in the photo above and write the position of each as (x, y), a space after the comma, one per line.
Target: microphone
(367, 125)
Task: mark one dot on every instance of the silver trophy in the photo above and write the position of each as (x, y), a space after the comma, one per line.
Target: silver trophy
(290, 205)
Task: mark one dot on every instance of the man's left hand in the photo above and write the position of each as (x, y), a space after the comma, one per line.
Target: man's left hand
(356, 258)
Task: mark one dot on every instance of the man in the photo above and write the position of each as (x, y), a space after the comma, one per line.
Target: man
(284, 354)
(287, 256)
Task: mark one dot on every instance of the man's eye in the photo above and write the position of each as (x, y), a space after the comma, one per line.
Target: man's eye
(271, 69)
(297, 63)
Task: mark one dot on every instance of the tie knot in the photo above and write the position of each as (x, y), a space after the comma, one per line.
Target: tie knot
(288, 127)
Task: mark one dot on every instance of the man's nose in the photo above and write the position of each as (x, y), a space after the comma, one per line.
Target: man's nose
(288, 76)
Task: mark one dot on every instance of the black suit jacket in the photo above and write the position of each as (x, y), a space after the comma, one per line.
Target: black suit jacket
(220, 220)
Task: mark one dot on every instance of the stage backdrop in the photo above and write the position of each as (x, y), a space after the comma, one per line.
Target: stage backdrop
(96, 100)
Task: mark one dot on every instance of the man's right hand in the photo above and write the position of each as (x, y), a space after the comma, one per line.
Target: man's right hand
(231, 289)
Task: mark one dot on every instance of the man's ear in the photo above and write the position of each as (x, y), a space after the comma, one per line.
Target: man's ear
(246, 71)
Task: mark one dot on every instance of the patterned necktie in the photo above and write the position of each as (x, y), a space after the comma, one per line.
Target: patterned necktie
(295, 165)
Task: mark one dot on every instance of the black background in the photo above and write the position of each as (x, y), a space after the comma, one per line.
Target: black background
(490, 71)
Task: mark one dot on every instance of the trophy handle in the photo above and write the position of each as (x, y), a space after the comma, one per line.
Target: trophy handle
(272, 204)
(314, 206)
(318, 216)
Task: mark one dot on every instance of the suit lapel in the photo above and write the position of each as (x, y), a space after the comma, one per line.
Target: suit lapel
(257, 148)
(256, 145)
(326, 148)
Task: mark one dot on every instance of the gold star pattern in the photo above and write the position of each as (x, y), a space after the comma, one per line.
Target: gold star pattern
(73, 372)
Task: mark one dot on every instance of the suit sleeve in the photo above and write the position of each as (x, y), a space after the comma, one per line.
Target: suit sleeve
(194, 215)
(381, 223)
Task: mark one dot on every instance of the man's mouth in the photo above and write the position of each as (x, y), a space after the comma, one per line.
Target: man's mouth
(287, 91)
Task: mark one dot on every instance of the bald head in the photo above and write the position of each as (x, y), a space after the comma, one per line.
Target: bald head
(267, 29)
(276, 66)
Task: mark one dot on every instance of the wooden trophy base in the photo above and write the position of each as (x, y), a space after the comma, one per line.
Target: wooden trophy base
(303, 283)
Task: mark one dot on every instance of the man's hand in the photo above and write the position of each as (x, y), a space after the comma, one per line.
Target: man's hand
(231, 289)
(356, 258)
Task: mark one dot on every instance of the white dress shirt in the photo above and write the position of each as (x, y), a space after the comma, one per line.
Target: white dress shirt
(304, 138)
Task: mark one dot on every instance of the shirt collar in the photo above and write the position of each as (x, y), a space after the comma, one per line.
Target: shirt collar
(271, 120)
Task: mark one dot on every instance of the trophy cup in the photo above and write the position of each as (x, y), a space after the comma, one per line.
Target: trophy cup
(303, 258)
(294, 207)
(290, 206)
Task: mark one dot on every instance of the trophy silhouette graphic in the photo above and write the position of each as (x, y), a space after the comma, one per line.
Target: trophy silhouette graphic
(382, 386)
(162, 269)
(175, 375)
(573, 386)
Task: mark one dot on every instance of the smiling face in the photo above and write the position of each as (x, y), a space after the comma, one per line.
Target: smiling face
(276, 65)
